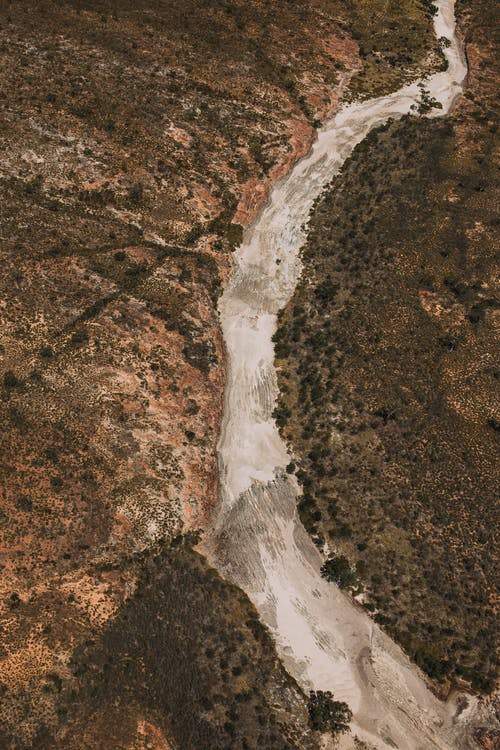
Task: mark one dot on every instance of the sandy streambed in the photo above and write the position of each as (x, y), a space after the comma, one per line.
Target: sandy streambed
(324, 639)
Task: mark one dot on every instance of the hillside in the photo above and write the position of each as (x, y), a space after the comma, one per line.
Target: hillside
(388, 377)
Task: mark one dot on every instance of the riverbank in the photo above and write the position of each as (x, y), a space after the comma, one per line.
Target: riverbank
(257, 542)
(387, 389)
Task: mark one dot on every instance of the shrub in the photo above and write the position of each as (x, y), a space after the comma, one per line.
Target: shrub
(327, 715)
(10, 380)
(426, 103)
(79, 337)
(135, 193)
(281, 414)
(234, 235)
(326, 290)
(338, 570)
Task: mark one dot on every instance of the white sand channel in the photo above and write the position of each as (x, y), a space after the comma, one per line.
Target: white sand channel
(324, 639)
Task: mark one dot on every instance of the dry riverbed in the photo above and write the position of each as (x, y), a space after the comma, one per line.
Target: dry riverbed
(325, 640)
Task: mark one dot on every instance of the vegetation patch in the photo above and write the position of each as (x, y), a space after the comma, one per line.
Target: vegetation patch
(188, 654)
(328, 715)
(396, 44)
(388, 382)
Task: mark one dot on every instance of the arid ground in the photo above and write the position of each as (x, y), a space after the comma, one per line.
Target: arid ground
(137, 140)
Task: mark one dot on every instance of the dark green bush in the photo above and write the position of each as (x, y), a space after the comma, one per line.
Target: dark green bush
(10, 380)
(338, 570)
(326, 714)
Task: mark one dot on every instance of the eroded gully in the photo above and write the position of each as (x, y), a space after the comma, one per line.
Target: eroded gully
(324, 639)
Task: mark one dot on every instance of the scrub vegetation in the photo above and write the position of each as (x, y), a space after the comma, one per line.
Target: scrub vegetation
(396, 43)
(186, 654)
(388, 379)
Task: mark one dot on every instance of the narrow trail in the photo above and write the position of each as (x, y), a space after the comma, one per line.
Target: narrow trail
(324, 639)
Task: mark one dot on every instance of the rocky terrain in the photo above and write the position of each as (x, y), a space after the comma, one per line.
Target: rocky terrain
(136, 141)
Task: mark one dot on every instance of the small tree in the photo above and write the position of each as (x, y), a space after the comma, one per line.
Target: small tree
(135, 193)
(338, 570)
(427, 102)
(327, 715)
(10, 380)
(326, 290)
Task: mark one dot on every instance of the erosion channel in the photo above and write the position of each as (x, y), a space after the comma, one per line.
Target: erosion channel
(325, 640)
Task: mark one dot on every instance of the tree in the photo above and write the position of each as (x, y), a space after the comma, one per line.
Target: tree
(338, 570)
(427, 102)
(327, 715)
(10, 380)
(326, 290)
